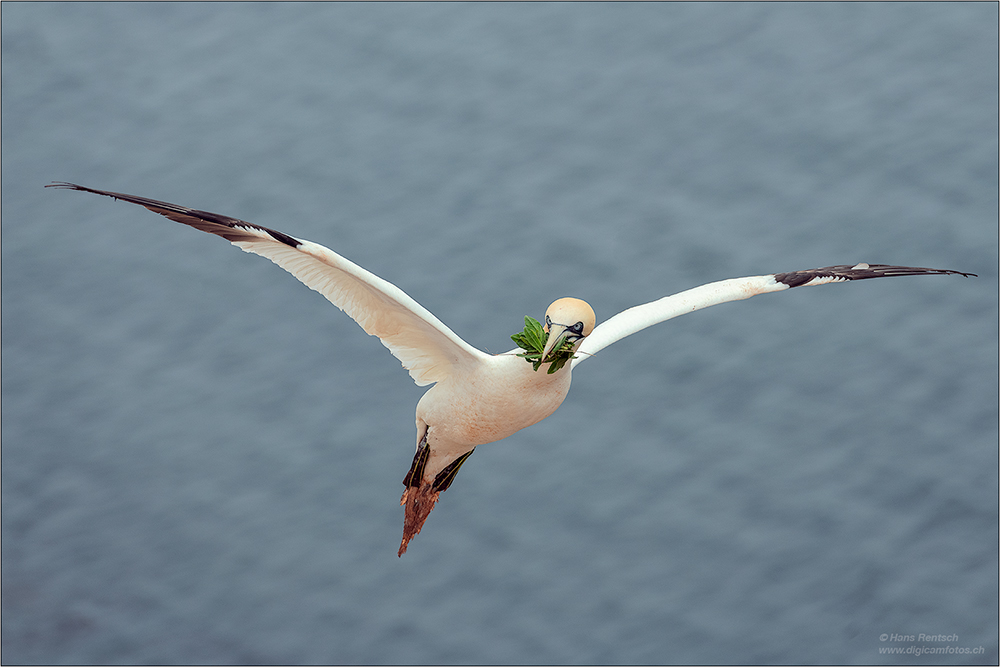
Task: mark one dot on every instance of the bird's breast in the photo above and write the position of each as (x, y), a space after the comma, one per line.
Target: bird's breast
(491, 401)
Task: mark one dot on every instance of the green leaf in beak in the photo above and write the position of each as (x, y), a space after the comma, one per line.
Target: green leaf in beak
(532, 341)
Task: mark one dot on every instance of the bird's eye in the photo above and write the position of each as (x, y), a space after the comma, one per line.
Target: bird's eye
(548, 321)
(577, 328)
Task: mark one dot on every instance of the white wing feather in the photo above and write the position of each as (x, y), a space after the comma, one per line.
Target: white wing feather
(638, 318)
(426, 347)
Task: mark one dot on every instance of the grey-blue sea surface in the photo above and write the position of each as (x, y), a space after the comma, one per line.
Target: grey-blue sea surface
(202, 458)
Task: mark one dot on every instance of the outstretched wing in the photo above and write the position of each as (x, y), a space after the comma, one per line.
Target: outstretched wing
(638, 318)
(427, 348)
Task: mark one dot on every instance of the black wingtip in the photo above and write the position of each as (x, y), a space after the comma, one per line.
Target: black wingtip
(861, 271)
(63, 185)
(231, 229)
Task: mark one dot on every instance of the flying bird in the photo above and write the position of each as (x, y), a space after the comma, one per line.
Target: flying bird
(477, 397)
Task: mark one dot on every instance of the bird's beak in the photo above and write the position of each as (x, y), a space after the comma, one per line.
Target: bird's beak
(557, 334)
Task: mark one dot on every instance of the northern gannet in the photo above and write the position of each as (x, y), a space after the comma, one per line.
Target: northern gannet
(477, 397)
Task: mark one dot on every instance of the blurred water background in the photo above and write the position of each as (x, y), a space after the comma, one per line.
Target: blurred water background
(202, 459)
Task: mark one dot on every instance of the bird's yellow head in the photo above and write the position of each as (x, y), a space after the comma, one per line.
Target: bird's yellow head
(567, 319)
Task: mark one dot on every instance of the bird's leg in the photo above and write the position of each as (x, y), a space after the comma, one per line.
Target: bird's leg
(420, 497)
(444, 478)
(417, 467)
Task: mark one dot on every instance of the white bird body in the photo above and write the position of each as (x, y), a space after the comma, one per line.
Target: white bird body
(477, 397)
(485, 402)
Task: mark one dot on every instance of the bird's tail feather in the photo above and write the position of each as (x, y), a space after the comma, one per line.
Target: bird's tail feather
(419, 501)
